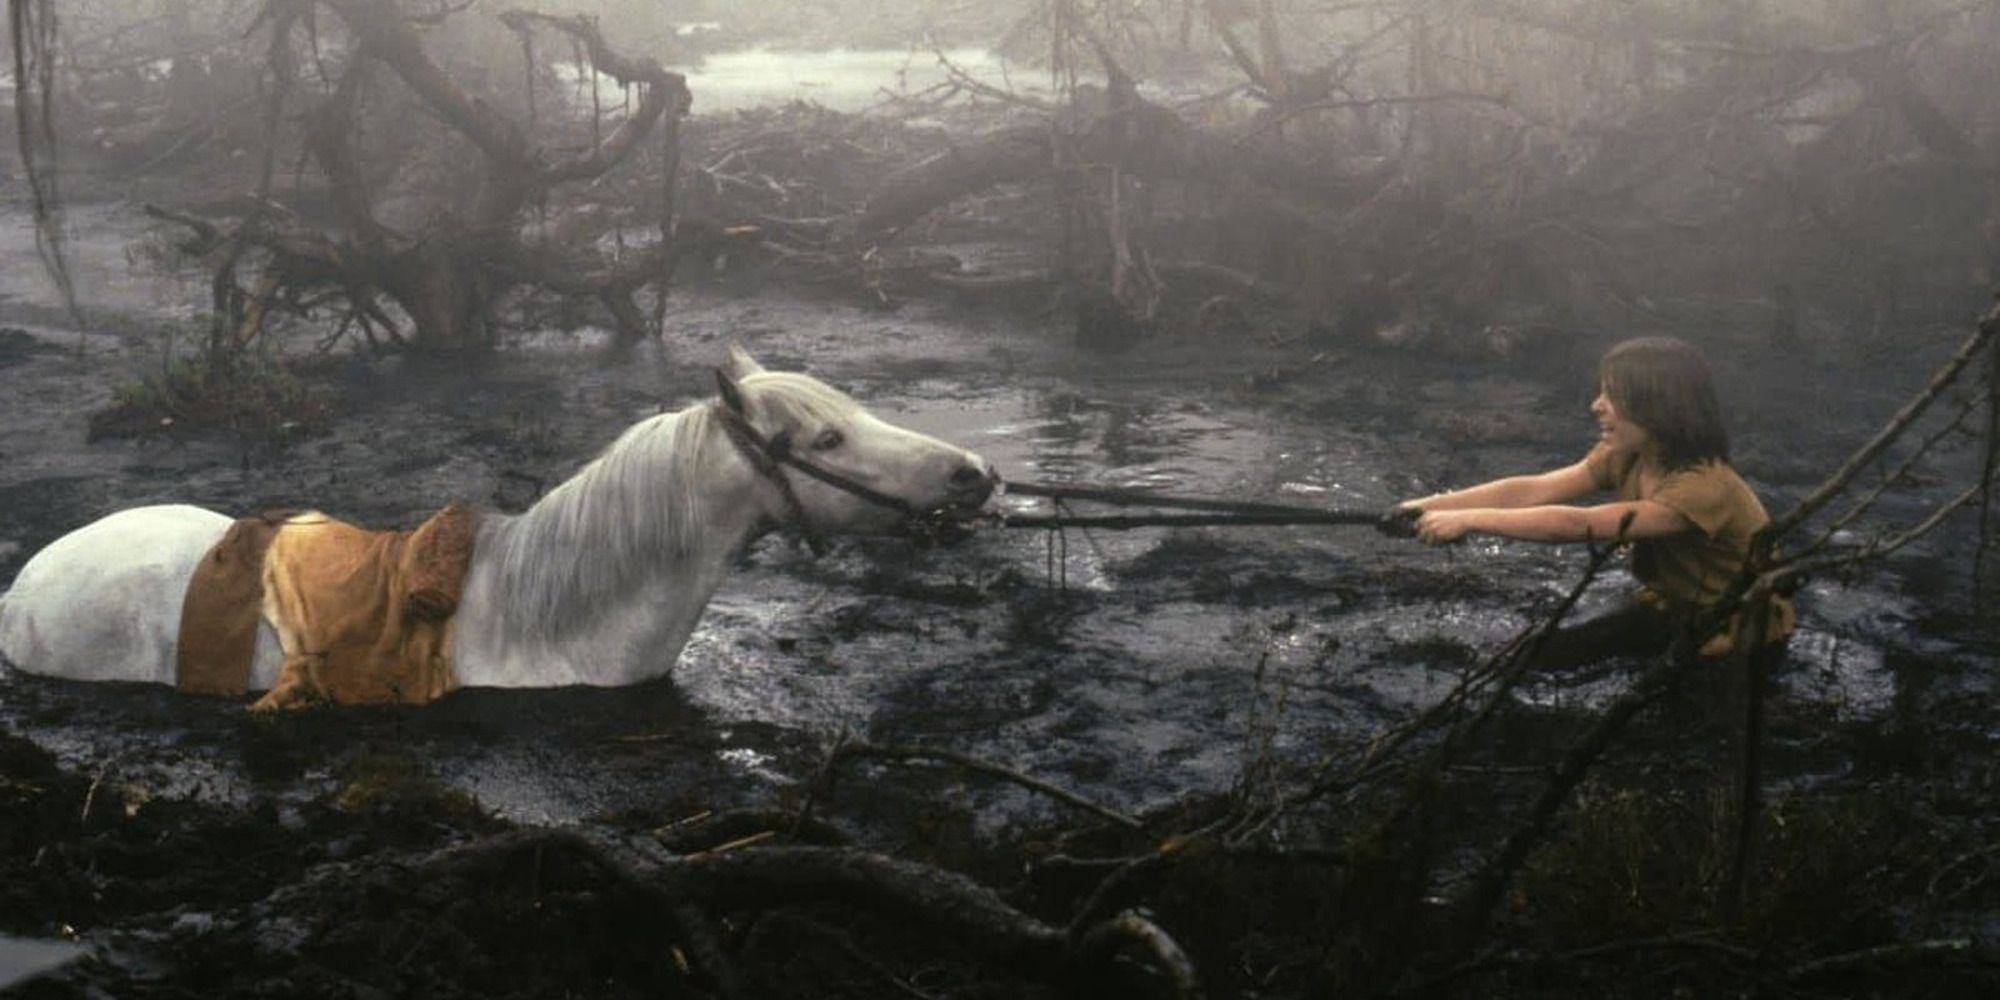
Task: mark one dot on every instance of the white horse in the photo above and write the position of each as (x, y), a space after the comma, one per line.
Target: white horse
(599, 583)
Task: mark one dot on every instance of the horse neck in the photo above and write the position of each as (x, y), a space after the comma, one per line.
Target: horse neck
(616, 562)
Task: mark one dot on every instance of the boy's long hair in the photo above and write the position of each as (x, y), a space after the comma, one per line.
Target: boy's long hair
(1663, 385)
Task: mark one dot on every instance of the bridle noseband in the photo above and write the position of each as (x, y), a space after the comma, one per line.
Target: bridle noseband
(770, 456)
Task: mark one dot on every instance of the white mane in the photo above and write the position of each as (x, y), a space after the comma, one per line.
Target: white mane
(632, 508)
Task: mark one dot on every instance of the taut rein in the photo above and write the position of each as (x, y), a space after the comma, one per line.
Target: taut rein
(771, 456)
(1202, 511)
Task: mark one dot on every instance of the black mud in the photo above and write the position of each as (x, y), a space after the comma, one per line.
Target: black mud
(199, 851)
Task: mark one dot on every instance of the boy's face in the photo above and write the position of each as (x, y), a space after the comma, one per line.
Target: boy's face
(1620, 434)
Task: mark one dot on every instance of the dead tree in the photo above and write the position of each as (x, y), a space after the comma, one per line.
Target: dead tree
(444, 276)
(1416, 175)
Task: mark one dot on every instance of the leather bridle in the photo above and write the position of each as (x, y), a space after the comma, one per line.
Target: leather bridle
(770, 456)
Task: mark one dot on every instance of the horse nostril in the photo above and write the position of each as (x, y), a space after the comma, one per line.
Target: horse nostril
(969, 477)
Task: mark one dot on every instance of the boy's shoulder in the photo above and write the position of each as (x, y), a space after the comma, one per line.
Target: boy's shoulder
(1608, 469)
(1711, 494)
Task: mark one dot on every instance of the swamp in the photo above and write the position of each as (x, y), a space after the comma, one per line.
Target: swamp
(371, 257)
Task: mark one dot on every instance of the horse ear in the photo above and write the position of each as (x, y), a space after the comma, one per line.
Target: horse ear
(740, 363)
(732, 396)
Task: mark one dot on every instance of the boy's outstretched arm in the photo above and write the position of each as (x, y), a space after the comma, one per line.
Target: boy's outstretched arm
(1554, 486)
(1551, 523)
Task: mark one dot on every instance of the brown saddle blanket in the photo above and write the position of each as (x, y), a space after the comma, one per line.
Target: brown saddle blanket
(363, 616)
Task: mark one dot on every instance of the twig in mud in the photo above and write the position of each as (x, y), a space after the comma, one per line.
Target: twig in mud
(707, 952)
(96, 781)
(701, 816)
(1883, 958)
(1259, 783)
(822, 780)
(737, 844)
(1931, 887)
(1132, 927)
(906, 754)
(1703, 940)
(1112, 892)
(666, 737)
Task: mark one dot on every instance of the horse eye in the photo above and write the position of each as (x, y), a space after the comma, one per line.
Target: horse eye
(828, 440)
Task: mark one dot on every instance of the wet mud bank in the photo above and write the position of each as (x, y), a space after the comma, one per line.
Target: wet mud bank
(486, 845)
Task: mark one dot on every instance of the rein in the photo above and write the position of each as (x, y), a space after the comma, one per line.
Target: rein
(1208, 512)
(771, 456)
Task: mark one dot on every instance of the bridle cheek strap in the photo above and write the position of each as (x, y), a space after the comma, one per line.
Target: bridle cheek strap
(769, 456)
(760, 454)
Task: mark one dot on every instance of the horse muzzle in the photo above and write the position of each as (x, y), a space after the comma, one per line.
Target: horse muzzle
(967, 489)
(970, 485)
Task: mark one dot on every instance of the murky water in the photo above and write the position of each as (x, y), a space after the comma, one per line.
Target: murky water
(849, 80)
(1134, 667)
(100, 239)
(843, 80)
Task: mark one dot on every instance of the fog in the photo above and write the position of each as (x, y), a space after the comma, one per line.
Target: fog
(1292, 259)
(1452, 164)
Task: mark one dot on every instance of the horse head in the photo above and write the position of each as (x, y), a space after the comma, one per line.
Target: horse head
(836, 468)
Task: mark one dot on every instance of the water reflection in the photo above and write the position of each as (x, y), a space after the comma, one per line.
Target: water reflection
(849, 80)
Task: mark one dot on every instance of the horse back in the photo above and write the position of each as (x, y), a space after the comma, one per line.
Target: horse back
(103, 602)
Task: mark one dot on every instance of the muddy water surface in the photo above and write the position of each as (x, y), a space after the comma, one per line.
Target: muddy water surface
(1134, 667)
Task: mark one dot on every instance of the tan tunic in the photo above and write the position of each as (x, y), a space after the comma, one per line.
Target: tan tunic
(1692, 569)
